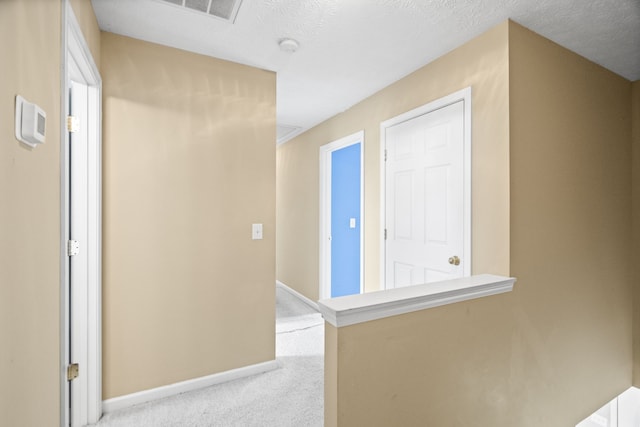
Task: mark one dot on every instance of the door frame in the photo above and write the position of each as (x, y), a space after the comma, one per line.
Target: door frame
(461, 95)
(78, 64)
(325, 209)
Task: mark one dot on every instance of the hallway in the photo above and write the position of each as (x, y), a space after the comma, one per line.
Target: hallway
(289, 396)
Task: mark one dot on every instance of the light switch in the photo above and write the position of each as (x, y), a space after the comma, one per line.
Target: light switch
(352, 223)
(256, 231)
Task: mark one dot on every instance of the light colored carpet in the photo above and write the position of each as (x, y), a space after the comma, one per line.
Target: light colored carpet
(289, 396)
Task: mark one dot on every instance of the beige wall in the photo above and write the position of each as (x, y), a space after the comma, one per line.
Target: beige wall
(481, 64)
(189, 165)
(635, 200)
(331, 394)
(556, 348)
(571, 216)
(30, 218)
(83, 10)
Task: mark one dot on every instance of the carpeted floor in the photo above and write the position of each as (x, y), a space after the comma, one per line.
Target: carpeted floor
(289, 396)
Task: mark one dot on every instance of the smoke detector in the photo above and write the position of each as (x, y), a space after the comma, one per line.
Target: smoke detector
(223, 9)
(288, 45)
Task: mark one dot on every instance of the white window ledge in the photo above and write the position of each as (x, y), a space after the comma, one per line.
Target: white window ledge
(353, 309)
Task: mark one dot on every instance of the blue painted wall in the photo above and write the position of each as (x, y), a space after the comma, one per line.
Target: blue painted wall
(345, 204)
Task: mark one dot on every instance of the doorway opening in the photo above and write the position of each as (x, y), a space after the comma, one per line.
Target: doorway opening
(341, 217)
(81, 349)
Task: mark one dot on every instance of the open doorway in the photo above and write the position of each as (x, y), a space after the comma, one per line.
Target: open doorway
(341, 217)
(81, 230)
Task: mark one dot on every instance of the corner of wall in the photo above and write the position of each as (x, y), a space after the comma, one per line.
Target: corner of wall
(635, 209)
(330, 376)
(571, 214)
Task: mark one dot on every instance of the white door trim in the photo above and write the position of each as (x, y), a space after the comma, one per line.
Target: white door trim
(78, 65)
(461, 95)
(325, 209)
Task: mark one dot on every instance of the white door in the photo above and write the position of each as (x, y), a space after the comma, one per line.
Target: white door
(78, 231)
(425, 218)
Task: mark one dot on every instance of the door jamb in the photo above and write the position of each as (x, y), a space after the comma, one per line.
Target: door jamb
(75, 49)
(325, 209)
(461, 95)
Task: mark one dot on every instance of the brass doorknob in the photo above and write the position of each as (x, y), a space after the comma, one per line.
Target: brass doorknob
(454, 260)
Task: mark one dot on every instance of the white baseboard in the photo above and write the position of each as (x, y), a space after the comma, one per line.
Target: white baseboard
(144, 396)
(298, 295)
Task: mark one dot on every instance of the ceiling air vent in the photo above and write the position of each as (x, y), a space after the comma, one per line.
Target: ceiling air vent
(223, 9)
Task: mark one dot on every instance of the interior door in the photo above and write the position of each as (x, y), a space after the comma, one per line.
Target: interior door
(425, 198)
(345, 221)
(78, 259)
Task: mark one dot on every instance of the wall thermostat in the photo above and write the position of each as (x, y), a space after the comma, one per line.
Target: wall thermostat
(30, 122)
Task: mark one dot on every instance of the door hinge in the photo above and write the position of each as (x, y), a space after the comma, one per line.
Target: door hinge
(73, 124)
(73, 371)
(385, 154)
(73, 247)
(385, 234)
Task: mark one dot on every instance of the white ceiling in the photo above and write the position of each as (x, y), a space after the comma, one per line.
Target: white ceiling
(350, 49)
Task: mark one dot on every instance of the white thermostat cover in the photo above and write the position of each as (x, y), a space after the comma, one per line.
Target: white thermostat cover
(30, 122)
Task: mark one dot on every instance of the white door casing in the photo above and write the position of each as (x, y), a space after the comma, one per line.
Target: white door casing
(426, 193)
(81, 221)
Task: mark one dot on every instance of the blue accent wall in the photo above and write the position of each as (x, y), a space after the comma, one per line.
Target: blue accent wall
(345, 204)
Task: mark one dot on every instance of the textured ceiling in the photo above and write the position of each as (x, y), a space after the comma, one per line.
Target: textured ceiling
(349, 49)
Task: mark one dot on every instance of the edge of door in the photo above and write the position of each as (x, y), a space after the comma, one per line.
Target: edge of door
(64, 224)
(325, 206)
(75, 48)
(460, 95)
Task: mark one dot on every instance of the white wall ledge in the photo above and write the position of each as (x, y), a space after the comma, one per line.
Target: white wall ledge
(353, 309)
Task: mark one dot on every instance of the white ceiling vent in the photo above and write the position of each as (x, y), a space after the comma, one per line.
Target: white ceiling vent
(223, 9)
